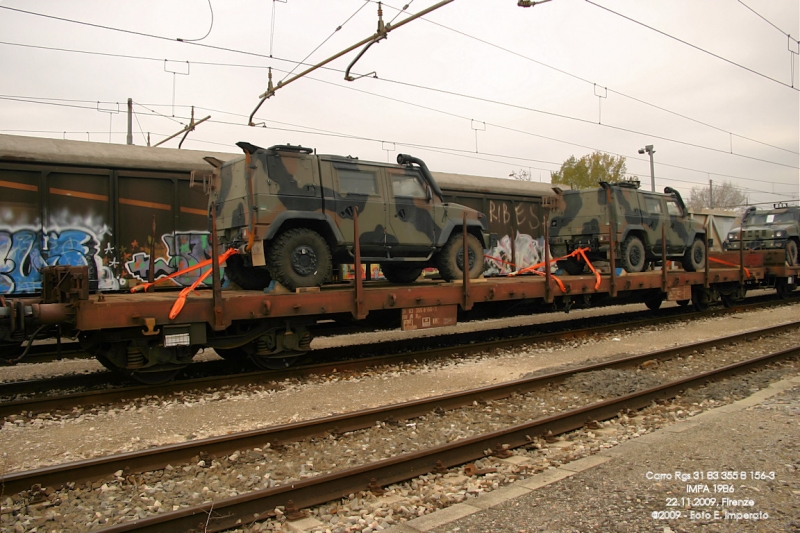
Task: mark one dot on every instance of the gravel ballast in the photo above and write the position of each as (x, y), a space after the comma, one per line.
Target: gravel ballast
(160, 420)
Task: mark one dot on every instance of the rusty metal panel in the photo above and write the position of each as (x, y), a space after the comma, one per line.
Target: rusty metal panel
(20, 230)
(676, 294)
(78, 223)
(429, 317)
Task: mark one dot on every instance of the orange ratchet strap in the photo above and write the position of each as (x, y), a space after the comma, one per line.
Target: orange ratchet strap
(728, 263)
(201, 264)
(179, 303)
(578, 252)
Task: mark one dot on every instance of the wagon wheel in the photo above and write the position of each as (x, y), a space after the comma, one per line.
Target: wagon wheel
(653, 301)
(276, 362)
(154, 375)
(233, 355)
(701, 298)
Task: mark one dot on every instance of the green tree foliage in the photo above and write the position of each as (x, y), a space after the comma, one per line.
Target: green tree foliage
(588, 171)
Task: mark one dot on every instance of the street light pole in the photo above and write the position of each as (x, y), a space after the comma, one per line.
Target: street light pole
(649, 150)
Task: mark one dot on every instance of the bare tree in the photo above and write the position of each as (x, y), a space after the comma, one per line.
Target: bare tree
(717, 196)
(521, 175)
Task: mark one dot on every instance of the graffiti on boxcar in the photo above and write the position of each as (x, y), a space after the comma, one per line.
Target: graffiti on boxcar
(527, 251)
(524, 214)
(24, 251)
(182, 250)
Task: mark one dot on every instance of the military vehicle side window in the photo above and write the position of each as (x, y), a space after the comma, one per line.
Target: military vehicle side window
(653, 205)
(674, 209)
(357, 182)
(408, 186)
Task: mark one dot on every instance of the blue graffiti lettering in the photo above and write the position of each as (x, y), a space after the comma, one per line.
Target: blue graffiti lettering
(22, 256)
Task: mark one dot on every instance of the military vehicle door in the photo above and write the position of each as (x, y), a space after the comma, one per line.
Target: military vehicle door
(410, 212)
(653, 214)
(677, 231)
(361, 186)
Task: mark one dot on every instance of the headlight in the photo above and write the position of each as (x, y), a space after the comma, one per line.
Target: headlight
(734, 235)
(780, 233)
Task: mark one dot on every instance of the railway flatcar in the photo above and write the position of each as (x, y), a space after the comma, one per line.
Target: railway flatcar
(84, 216)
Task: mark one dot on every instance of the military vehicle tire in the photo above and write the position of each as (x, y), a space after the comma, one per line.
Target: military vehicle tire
(400, 273)
(300, 257)
(694, 258)
(633, 255)
(248, 278)
(791, 253)
(450, 259)
(572, 266)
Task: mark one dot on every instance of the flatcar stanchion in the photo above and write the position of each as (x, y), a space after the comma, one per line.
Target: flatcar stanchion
(359, 311)
(741, 254)
(465, 268)
(216, 286)
(151, 271)
(664, 286)
(548, 291)
(612, 245)
(705, 269)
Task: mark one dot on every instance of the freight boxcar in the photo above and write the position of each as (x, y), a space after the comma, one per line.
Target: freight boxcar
(80, 203)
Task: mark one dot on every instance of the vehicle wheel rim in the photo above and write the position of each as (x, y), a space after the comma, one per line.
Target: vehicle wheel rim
(635, 256)
(304, 260)
(460, 259)
(698, 255)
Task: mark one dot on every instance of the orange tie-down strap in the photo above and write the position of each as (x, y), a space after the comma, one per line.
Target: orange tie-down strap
(201, 264)
(179, 303)
(533, 268)
(728, 263)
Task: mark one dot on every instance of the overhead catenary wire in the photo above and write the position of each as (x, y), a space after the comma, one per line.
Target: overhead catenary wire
(698, 48)
(499, 126)
(762, 17)
(327, 68)
(472, 97)
(210, 26)
(378, 95)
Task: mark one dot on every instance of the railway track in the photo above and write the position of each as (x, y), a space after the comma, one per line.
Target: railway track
(228, 513)
(37, 398)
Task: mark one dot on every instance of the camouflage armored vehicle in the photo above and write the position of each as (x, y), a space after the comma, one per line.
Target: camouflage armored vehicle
(583, 218)
(290, 213)
(768, 229)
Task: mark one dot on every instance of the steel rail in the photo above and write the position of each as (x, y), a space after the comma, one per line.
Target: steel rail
(157, 458)
(467, 345)
(246, 508)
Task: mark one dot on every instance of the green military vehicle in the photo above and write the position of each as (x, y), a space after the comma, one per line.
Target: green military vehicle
(290, 212)
(768, 229)
(583, 219)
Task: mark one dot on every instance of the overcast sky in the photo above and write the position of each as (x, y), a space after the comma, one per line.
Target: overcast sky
(479, 87)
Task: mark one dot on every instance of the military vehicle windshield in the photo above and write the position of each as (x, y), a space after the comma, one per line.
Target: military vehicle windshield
(761, 219)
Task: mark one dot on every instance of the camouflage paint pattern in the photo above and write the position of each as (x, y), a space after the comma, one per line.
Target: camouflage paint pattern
(766, 229)
(400, 217)
(583, 219)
